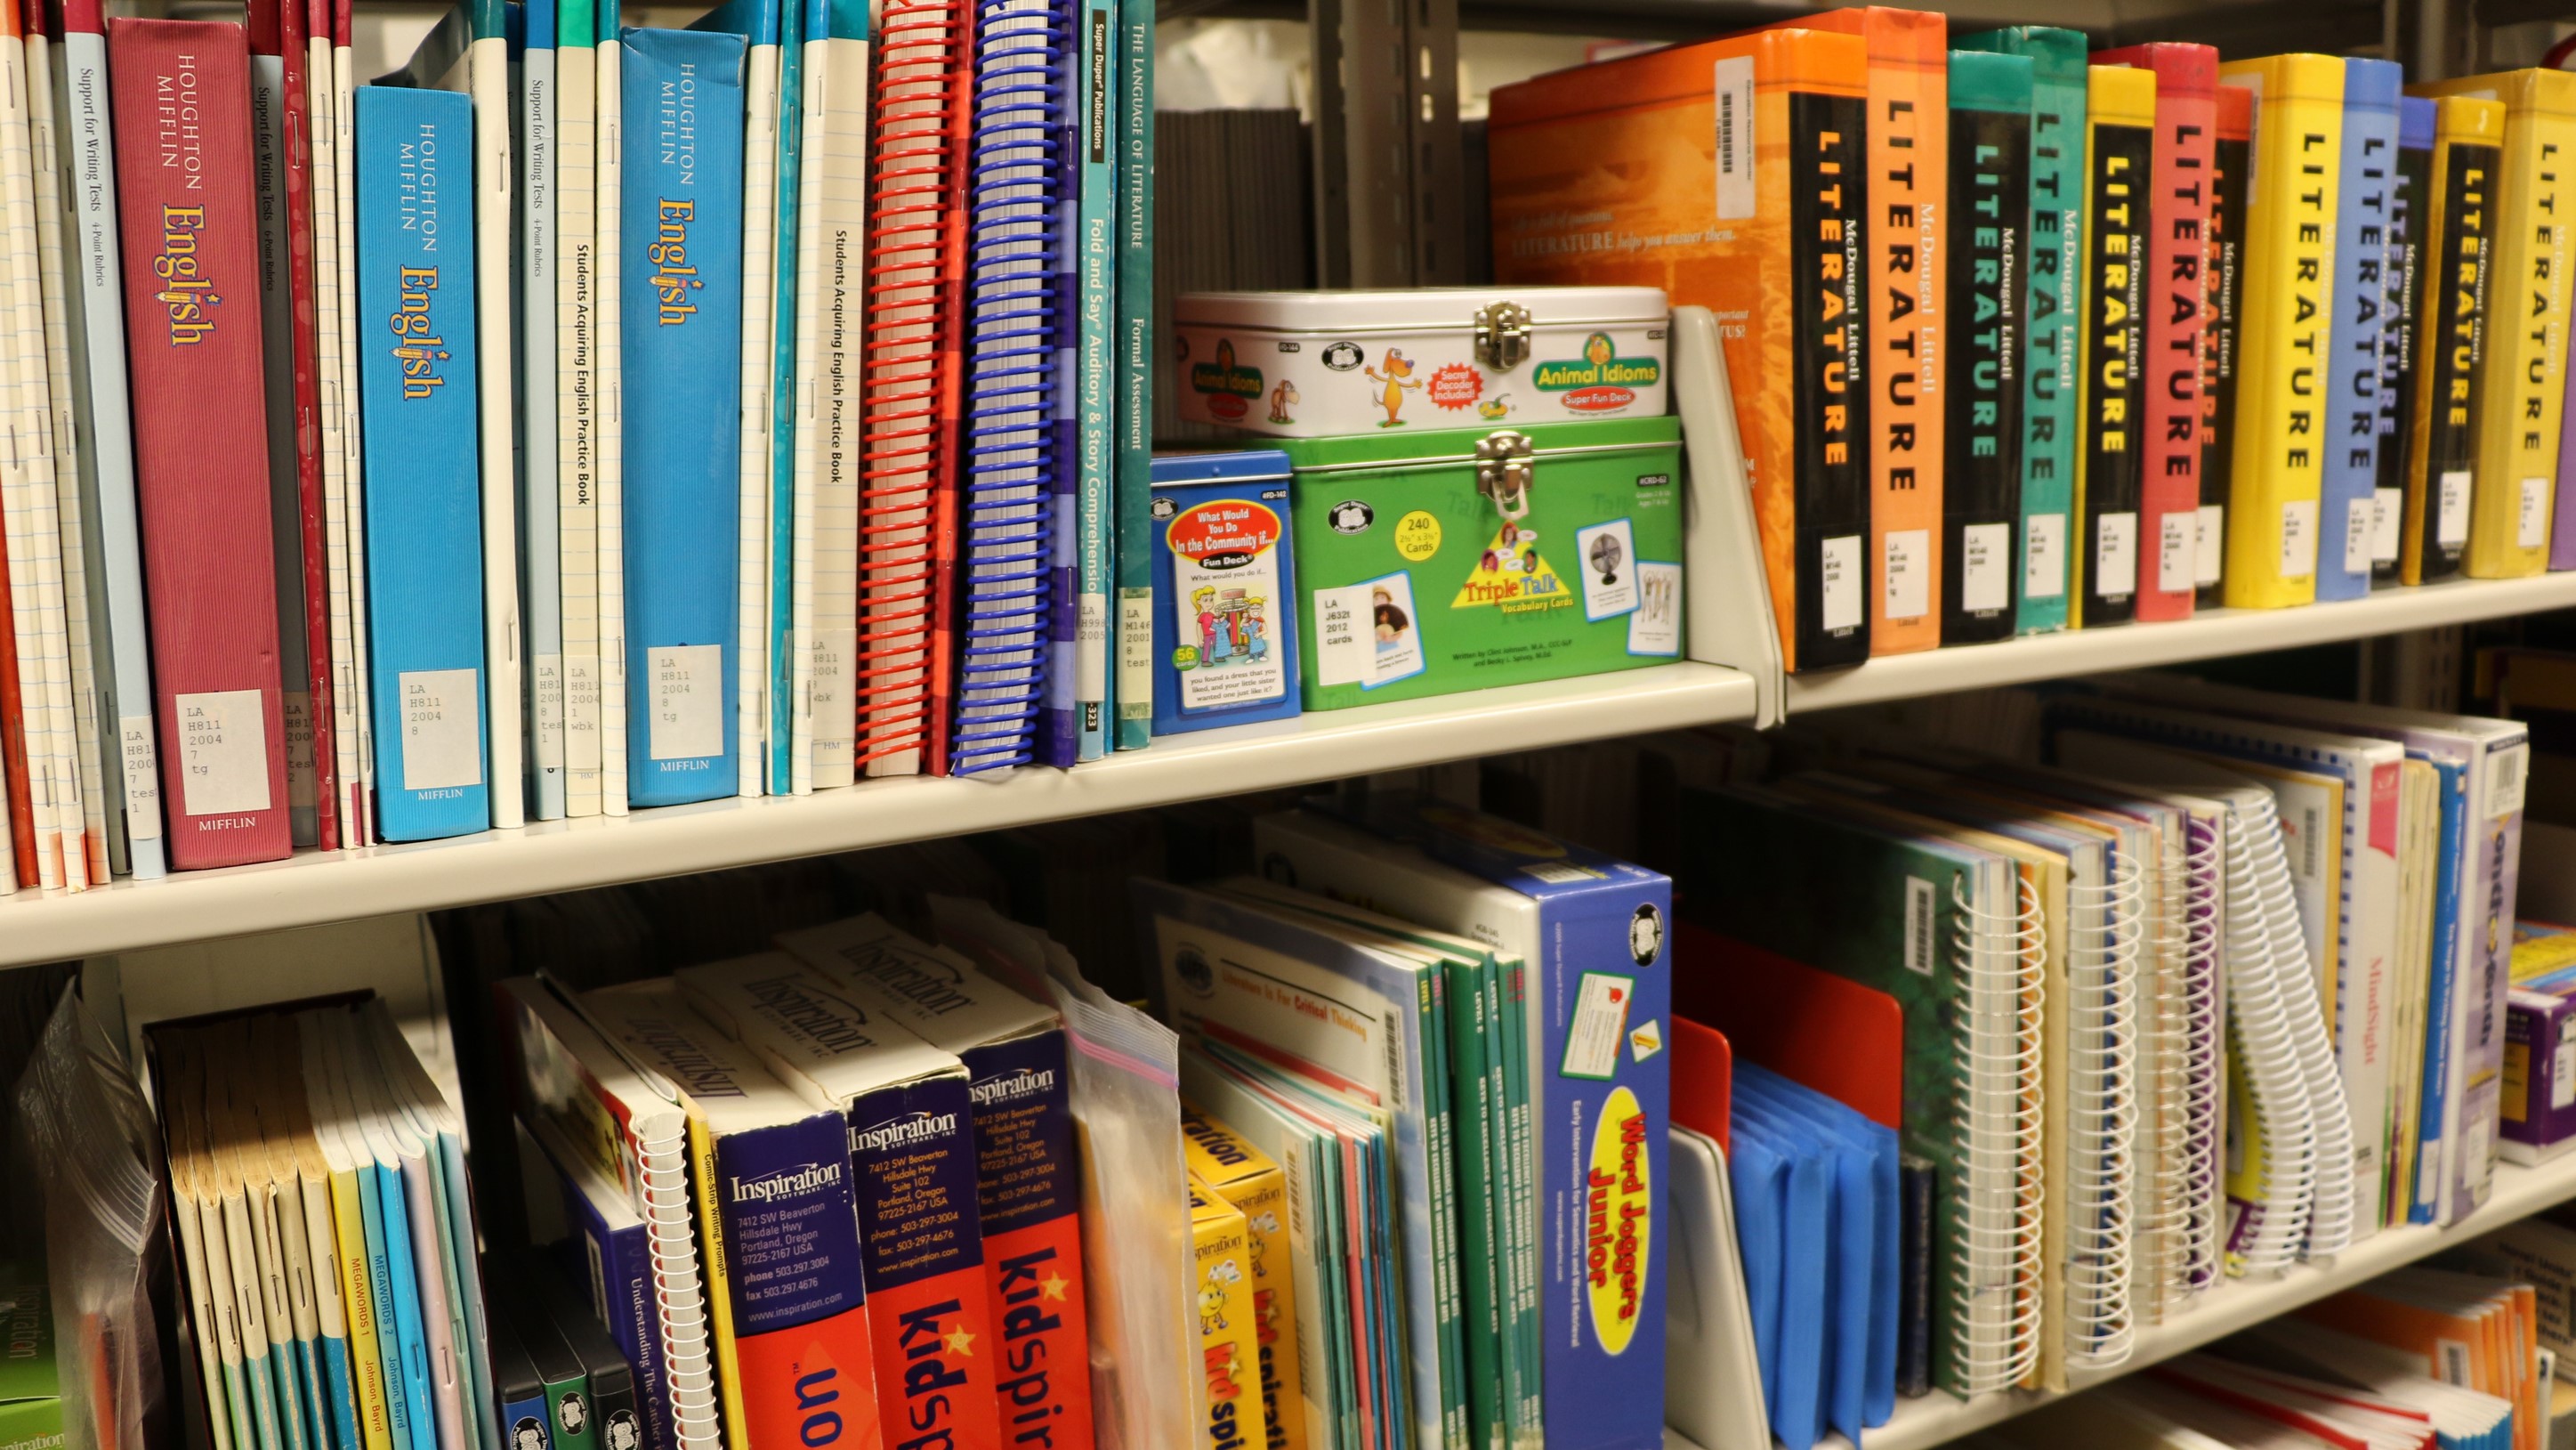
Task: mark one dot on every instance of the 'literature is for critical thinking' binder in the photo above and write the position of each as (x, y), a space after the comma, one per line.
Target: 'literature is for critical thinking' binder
(1015, 455)
(682, 319)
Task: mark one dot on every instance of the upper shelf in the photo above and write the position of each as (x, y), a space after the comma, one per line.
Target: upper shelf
(1937, 1419)
(314, 887)
(2210, 634)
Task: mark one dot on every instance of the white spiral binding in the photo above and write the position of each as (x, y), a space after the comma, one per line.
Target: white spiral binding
(1995, 1276)
(2331, 1206)
(2203, 1144)
(2161, 1232)
(2265, 1238)
(2102, 1114)
(688, 1361)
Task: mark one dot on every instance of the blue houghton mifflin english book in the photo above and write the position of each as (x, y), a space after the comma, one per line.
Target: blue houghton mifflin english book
(682, 323)
(417, 364)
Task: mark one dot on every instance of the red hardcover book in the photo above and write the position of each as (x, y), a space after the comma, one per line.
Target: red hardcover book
(304, 343)
(181, 106)
(2186, 175)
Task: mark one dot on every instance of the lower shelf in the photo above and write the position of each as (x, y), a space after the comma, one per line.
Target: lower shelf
(313, 887)
(1936, 1418)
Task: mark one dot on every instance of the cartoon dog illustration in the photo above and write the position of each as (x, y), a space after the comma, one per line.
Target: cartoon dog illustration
(1280, 397)
(1391, 394)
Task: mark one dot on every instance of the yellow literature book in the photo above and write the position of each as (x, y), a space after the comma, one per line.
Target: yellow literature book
(2522, 378)
(2283, 338)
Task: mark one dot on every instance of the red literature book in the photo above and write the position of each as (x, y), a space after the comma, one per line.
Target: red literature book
(181, 105)
(2186, 174)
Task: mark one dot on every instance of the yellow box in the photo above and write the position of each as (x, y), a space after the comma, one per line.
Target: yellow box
(1245, 1177)
(1221, 1253)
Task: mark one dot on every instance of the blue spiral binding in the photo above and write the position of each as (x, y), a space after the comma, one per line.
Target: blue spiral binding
(1015, 328)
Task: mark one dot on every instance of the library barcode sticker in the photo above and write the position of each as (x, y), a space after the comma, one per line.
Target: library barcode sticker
(142, 778)
(442, 739)
(685, 685)
(2209, 543)
(1908, 569)
(1600, 1026)
(2115, 556)
(2531, 518)
(1839, 577)
(2359, 518)
(2451, 1360)
(1737, 196)
(2506, 772)
(1985, 576)
(223, 753)
(2177, 550)
(2387, 518)
(1919, 954)
(2562, 1070)
(2451, 517)
(1561, 873)
(2043, 573)
(2298, 538)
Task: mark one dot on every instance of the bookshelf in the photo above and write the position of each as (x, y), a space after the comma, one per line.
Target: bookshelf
(311, 887)
(1937, 1419)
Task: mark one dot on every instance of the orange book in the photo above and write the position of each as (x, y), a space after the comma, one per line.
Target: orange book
(1809, 1025)
(1603, 175)
(1909, 179)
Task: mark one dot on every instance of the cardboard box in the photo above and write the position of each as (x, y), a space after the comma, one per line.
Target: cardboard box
(1221, 1275)
(1245, 1177)
(1592, 934)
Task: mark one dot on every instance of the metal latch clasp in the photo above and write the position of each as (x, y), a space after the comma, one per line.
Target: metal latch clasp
(1504, 470)
(1502, 335)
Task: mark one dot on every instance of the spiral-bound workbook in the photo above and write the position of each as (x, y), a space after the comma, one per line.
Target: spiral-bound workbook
(1014, 449)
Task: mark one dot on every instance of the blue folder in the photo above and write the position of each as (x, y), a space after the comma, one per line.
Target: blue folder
(1793, 1377)
(1867, 1219)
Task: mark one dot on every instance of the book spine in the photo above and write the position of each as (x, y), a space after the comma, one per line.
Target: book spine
(349, 1242)
(1981, 480)
(1136, 360)
(2049, 419)
(1522, 1207)
(2169, 385)
(1830, 475)
(1028, 1195)
(622, 1290)
(505, 741)
(37, 535)
(2441, 453)
(270, 153)
(417, 394)
(1097, 133)
(352, 433)
(2522, 378)
(107, 457)
(783, 1269)
(791, 498)
(1440, 1144)
(757, 286)
(576, 405)
(682, 314)
(2290, 217)
(2348, 497)
(2223, 268)
(304, 343)
(2410, 212)
(1493, 1371)
(200, 446)
(1059, 736)
(608, 216)
(1907, 188)
(829, 419)
(340, 567)
(84, 599)
(913, 1165)
(2497, 790)
(2119, 154)
(2441, 995)
(538, 151)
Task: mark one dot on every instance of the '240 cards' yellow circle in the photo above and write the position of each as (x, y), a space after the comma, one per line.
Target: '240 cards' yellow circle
(1417, 536)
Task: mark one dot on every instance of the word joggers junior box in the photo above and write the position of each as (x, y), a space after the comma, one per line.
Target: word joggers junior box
(1436, 562)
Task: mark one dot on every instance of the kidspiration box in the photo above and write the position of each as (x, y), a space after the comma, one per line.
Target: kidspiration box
(1247, 1178)
(1225, 640)
(1322, 364)
(1026, 1189)
(1597, 983)
(1229, 1413)
(912, 1169)
(1438, 562)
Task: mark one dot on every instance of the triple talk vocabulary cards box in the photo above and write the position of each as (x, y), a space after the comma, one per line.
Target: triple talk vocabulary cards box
(1591, 934)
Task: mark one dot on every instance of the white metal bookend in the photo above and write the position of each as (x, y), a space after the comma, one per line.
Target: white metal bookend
(1729, 598)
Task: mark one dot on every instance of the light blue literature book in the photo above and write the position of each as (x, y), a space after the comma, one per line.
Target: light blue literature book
(680, 307)
(417, 403)
(2349, 501)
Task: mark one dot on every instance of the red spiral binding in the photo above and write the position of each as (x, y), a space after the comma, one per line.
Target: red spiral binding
(907, 515)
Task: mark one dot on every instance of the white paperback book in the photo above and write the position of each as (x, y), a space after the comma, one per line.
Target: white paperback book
(830, 298)
(347, 672)
(608, 58)
(111, 538)
(344, 252)
(752, 675)
(576, 411)
(540, 554)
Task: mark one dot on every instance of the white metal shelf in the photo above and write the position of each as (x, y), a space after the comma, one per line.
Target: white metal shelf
(1937, 1419)
(2210, 634)
(313, 887)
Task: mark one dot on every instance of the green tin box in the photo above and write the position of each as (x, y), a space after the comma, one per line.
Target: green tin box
(1430, 563)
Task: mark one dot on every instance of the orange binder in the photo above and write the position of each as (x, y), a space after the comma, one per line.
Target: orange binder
(1603, 174)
